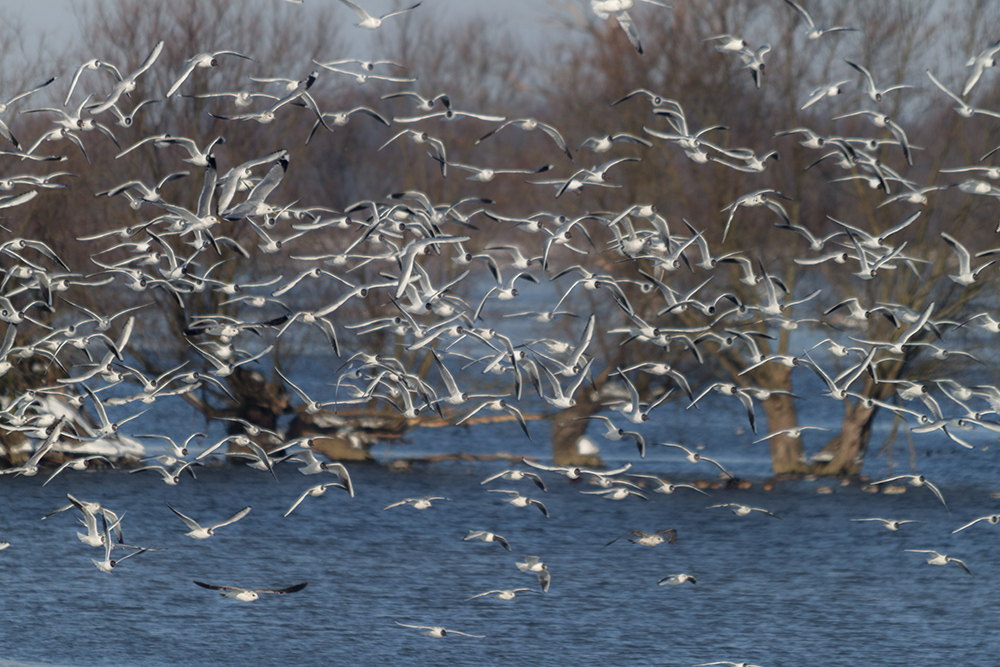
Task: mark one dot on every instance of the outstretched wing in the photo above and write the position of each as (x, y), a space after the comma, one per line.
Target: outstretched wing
(282, 591)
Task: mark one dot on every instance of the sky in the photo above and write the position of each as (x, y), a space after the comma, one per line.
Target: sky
(57, 19)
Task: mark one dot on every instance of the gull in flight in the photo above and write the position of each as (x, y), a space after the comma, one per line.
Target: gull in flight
(487, 536)
(438, 630)
(108, 563)
(315, 492)
(940, 559)
(200, 532)
(534, 565)
(604, 8)
(369, 22)
(517, 500)
(417, 503)
(675, 579)
(992, 519)
(668, 535)
(663, 486)
(812, 30)
(915, 480)
(695, 457)
(516, 476)
(127, 84)
(204, 61)
(743, 510)
(873, 91)
(503, 594)
(890, 524)
(249, 595)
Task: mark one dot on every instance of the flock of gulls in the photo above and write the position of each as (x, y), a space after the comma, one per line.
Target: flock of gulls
(444, 293)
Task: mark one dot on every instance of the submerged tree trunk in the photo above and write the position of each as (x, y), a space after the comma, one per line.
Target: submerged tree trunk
(568, 426)
(844, 455)
(787, 456)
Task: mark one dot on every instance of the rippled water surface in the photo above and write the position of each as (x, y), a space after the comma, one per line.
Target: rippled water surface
(812, 588)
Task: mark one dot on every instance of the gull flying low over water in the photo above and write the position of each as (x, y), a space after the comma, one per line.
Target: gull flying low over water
(417, 503)
(315, 492)
(200, 532)
(676, 579)
(992, 519)
(940, 559)
(503, 593)
(915, 480)
(437, 630)
(517, 500)
(668, 535)
(743, 510)
(695, 457)
(487, 536)
(890, 524)
(534, 565)
(248, 594)
(515, 475)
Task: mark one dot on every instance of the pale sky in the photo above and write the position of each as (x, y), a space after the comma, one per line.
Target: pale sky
(56, 18)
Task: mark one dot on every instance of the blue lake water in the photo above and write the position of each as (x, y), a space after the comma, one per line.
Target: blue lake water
(810, 588)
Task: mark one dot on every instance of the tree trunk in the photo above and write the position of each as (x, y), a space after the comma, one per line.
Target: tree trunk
(567, 429)
(846, 452)
(787, 456)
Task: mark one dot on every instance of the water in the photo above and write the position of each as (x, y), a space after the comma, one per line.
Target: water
(810, 588)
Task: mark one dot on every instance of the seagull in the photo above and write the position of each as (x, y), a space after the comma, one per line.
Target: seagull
(437, 630)
(992, 519)
(533, 565)
(830, 90)
(108, 563)
(812, 31)
(4, 131)
(516, 476)
(503, 594)
(615, 434)
(127, 84)
(675, 579)
(873, 91)
(794, 432)
(574, 472)
(668, 535)
(940, 559)
(249, 595)
(203, 61)
(315, 492)
(203, 533)
(79, 464)
(890, 524)
(743, 510)
(915, 480)
(417, 503)
(965, 276)
(517, 500)
(487, 536)
(695, 457)
(978, 63)
(663, 486)
(529, 124)
(369, 22)
(964, 109)
(604, 8)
